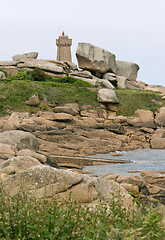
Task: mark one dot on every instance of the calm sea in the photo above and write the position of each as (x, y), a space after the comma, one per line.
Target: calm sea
(141, 159)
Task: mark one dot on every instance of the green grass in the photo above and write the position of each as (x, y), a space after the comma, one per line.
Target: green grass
(13, 94)
(22, 217)
(14, 91)
(131, 100)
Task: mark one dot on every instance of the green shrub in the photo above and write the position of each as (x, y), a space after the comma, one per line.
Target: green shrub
(23, 217)
(22, 74)
(38, 74)
(71, 81)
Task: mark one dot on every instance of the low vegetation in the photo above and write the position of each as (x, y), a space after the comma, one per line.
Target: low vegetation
(130, 100)
(14, 91)
(22, 217)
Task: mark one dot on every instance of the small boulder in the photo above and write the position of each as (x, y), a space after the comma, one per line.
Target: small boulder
(2, 75)
(105, 83)
(85, 74)
(144, 115)
(7, 151)
(111, 189)
(63, 117)
(20, 140)
(131, 188)
(20, 57)
(48, 115)
(160, 117)
(12, 123)
(17, 164)
(107, 95)
(65, 109)
(121, 82)
(158, 143)
(75, 106)
(127, 69)
(33, 101)
(95, 59)
(26, 152)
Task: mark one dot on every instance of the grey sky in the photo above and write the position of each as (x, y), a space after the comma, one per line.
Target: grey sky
(131, 29)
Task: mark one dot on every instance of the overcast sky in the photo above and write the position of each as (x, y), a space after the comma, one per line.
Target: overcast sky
(134, 30)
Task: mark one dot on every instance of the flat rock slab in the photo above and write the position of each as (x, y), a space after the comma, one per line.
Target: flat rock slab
(84, 160)
(44, 65)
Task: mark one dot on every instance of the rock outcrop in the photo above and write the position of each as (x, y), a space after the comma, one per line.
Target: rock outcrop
(127, 69)
(150, 185)
(47, 182)
(95, 59)
(20, 57)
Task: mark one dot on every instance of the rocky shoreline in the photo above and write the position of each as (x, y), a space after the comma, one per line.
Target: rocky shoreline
(27, 141)
(32, 146)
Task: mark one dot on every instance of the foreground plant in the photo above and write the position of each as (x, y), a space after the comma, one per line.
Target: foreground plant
(23, 217)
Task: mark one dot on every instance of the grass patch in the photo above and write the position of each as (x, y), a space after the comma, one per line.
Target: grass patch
(14, 93)
(22, 217)
(131, 100)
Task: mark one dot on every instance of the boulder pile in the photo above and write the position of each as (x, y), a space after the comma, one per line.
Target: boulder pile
(96, 65)
(150, 184)
(71, 131)
(23, 168)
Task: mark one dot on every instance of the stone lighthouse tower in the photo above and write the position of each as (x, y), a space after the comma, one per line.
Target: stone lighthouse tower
(64, 48)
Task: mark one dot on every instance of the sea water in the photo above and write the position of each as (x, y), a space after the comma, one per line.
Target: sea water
(140, 159)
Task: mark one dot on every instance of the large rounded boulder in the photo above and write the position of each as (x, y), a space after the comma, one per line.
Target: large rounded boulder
(95, 59)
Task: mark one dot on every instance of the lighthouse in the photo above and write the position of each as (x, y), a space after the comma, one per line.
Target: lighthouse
(64, 48)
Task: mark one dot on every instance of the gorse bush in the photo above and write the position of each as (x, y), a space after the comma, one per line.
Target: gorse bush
(22, 217)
